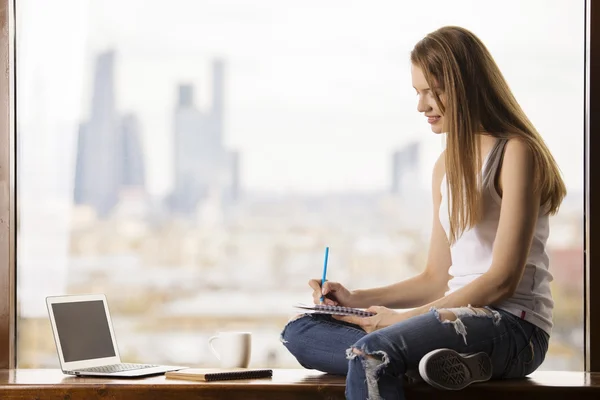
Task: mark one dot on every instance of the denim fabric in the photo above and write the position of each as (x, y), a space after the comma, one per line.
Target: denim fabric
(516, 347)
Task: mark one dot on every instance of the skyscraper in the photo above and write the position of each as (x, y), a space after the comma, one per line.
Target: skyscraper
(202, 163)
(109, 152)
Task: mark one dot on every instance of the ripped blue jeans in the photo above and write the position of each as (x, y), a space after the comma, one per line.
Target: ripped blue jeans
(516, 347)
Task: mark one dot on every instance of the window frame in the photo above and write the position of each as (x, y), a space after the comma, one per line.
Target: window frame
(8, 195)
(591, 198)
(8, 228)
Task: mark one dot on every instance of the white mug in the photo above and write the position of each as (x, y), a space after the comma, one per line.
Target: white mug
(234, 349)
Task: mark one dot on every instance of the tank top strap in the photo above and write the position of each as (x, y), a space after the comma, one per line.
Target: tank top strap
(493, 163)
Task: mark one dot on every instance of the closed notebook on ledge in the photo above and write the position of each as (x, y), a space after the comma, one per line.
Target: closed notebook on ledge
(219, 374)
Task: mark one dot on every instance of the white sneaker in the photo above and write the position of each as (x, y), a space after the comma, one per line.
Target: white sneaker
(449, 370)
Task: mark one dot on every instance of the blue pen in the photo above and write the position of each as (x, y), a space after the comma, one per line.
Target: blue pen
(324, 270)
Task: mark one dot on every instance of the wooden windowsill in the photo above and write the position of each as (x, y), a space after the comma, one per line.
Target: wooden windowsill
(285, 384)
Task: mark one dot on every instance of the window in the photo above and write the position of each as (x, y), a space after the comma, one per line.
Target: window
(193, 161)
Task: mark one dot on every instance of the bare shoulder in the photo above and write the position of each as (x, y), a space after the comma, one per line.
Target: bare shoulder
(517, 150)
(517, 166)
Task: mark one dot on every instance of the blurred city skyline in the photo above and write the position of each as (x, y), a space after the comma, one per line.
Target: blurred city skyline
(111, 161)
(313, 109)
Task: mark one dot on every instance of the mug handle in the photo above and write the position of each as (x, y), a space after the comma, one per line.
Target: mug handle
(212, 348)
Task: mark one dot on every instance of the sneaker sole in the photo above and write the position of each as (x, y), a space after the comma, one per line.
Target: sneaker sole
(446, 369)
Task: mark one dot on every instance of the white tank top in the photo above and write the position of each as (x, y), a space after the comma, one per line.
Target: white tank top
(472, 252)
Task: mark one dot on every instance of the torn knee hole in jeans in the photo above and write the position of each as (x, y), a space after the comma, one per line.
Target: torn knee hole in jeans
(453, 316)
(372, 362)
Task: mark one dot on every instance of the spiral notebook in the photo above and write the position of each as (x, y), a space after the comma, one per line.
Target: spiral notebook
(334, 310)
(219, 374)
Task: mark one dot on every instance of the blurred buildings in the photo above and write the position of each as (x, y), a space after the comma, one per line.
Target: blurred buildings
(203, 166)
(110, 156)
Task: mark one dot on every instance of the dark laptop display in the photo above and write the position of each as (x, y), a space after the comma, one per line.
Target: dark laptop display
(83, 330)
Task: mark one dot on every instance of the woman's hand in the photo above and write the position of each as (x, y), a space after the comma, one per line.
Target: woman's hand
(334, 294)
(383, 317)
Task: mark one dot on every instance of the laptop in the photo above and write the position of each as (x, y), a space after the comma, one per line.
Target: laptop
(85, 339)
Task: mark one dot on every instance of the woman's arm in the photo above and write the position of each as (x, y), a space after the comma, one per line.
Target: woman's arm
(427, 286)
(518, 216)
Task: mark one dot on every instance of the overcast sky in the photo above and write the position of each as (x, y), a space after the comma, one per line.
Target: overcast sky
(318, 93)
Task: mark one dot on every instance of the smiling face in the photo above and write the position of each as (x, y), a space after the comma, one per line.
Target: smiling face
(426, 103)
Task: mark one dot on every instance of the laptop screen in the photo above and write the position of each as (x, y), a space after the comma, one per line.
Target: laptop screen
(83, 330)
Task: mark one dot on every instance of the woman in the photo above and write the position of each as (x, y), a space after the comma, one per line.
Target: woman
(482, 307)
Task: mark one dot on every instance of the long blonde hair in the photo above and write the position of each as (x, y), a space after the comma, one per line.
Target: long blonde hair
(478, 100)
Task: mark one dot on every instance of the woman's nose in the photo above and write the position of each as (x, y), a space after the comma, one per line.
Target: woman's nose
(422, 106)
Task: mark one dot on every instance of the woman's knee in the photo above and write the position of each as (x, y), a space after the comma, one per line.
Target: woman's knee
(376, 351)
(302, 336)
(294, 328)
(374, 342)
(292, 336)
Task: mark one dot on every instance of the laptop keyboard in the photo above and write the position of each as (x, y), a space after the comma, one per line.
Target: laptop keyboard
(108, 369)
